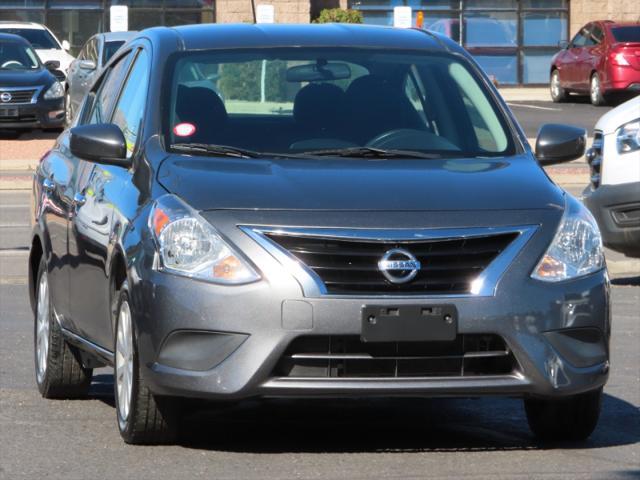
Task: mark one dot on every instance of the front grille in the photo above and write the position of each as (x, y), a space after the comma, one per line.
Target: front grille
(348, 266)
(595, 160)
(18, 96)
(468, 355)
(21, 119)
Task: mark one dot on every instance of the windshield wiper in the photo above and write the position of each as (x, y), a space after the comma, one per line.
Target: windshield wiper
(219, 150)
(370, 152)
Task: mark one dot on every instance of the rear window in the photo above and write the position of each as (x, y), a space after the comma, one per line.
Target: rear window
(626, 34)
(39, 39)
(109, 49)
(298, 100)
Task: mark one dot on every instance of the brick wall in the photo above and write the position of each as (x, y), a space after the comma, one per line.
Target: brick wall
(286, 11)
(585, 11)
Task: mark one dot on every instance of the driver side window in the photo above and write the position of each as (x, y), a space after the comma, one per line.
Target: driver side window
(105, 97)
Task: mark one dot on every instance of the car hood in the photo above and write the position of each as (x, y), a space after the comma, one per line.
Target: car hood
(25, 78)
(613, 119)
(56, 54)
(516, 183)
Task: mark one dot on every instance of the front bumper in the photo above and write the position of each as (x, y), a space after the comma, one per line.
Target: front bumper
(264, 318)
(43, 114)
(617, 211)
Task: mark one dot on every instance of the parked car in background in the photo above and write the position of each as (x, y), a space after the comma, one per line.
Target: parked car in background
(392, 234)
(602, 59)
(30, 96)
(614, 193)
(93, 56)
(44, 42)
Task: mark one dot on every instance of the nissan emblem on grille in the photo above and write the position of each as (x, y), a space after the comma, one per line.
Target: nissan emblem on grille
(402, 263)
(5, 97)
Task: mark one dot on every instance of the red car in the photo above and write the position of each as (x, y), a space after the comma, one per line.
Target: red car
(602, 59)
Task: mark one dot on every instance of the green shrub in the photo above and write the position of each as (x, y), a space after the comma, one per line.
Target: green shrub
(241, 81)
(338, 15)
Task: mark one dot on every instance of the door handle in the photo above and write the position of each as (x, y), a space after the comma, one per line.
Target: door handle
(79, 199)
(101, 222)
(48, 185)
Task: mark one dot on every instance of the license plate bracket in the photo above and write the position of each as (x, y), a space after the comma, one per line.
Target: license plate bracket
(409, 323)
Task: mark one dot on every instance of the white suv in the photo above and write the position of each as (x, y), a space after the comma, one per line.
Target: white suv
(613, 195)
(43, 41)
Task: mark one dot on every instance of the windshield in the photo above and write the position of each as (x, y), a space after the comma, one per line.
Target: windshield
(294, 100)
(109, 49)
(14, 56)
(626, 34)
(39, 39)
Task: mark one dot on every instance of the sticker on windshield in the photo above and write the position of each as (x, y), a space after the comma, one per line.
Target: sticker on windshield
(184, 130)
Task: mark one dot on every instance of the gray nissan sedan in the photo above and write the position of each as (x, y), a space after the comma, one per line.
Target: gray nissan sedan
(243, 211)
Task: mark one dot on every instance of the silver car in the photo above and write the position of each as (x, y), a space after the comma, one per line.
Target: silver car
(93, 56)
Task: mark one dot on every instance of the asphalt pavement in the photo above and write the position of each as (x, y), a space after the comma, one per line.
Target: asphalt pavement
(355, 439)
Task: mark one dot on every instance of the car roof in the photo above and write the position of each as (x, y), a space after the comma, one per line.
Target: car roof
(117, 36)
(10, 37)
(210, 36)
(29, 25)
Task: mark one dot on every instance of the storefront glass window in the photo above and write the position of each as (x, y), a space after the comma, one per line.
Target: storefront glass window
(535, 68)
(138, 3)
(188, 3)
(491, 4)
(491, 29)
(174, 18)
(429, 5)
(544, 28)
(504, 68)
(23, 15)
(75, 4)
(444, 23)
(544, 3)
(141, 19)
(76, 26)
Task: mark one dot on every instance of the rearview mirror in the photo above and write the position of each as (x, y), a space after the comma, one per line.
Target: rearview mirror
(66, 45)
(100, 143)
(52, 65)
(560, 143)
(87, 64)
(319, 71)
(563, 44)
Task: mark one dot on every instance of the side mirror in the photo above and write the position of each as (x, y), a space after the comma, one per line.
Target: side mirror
(66, 45)
(563, 44)
(52, 65)
(87, 64)
(560, 143)
(100, 143)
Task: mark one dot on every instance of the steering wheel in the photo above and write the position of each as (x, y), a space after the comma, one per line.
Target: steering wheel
(411, 139)
(10, 62)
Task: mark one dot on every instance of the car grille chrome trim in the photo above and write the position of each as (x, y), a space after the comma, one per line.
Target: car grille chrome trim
(334, 356)
(21, 95)
(595, 160)
(314, 285)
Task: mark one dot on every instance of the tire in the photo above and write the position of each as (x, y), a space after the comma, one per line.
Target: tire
(595, 91)
(59, 371)
(142, 417)
(558, 94)
(572, 418)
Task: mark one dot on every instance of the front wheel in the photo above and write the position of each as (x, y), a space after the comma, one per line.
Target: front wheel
(595, 91)
(143, 418)
(573, 418)
(558, 94)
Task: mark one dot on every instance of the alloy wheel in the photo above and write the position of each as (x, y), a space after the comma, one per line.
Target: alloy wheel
(595, 89)
(555, 84)
(124, 362)
(42, 328)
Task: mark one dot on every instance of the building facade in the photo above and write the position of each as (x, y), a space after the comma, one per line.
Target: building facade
(512, 39)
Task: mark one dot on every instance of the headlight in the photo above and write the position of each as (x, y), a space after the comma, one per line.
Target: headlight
(576, 249)
(628, 137)
(56, 90)
(188, 245)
